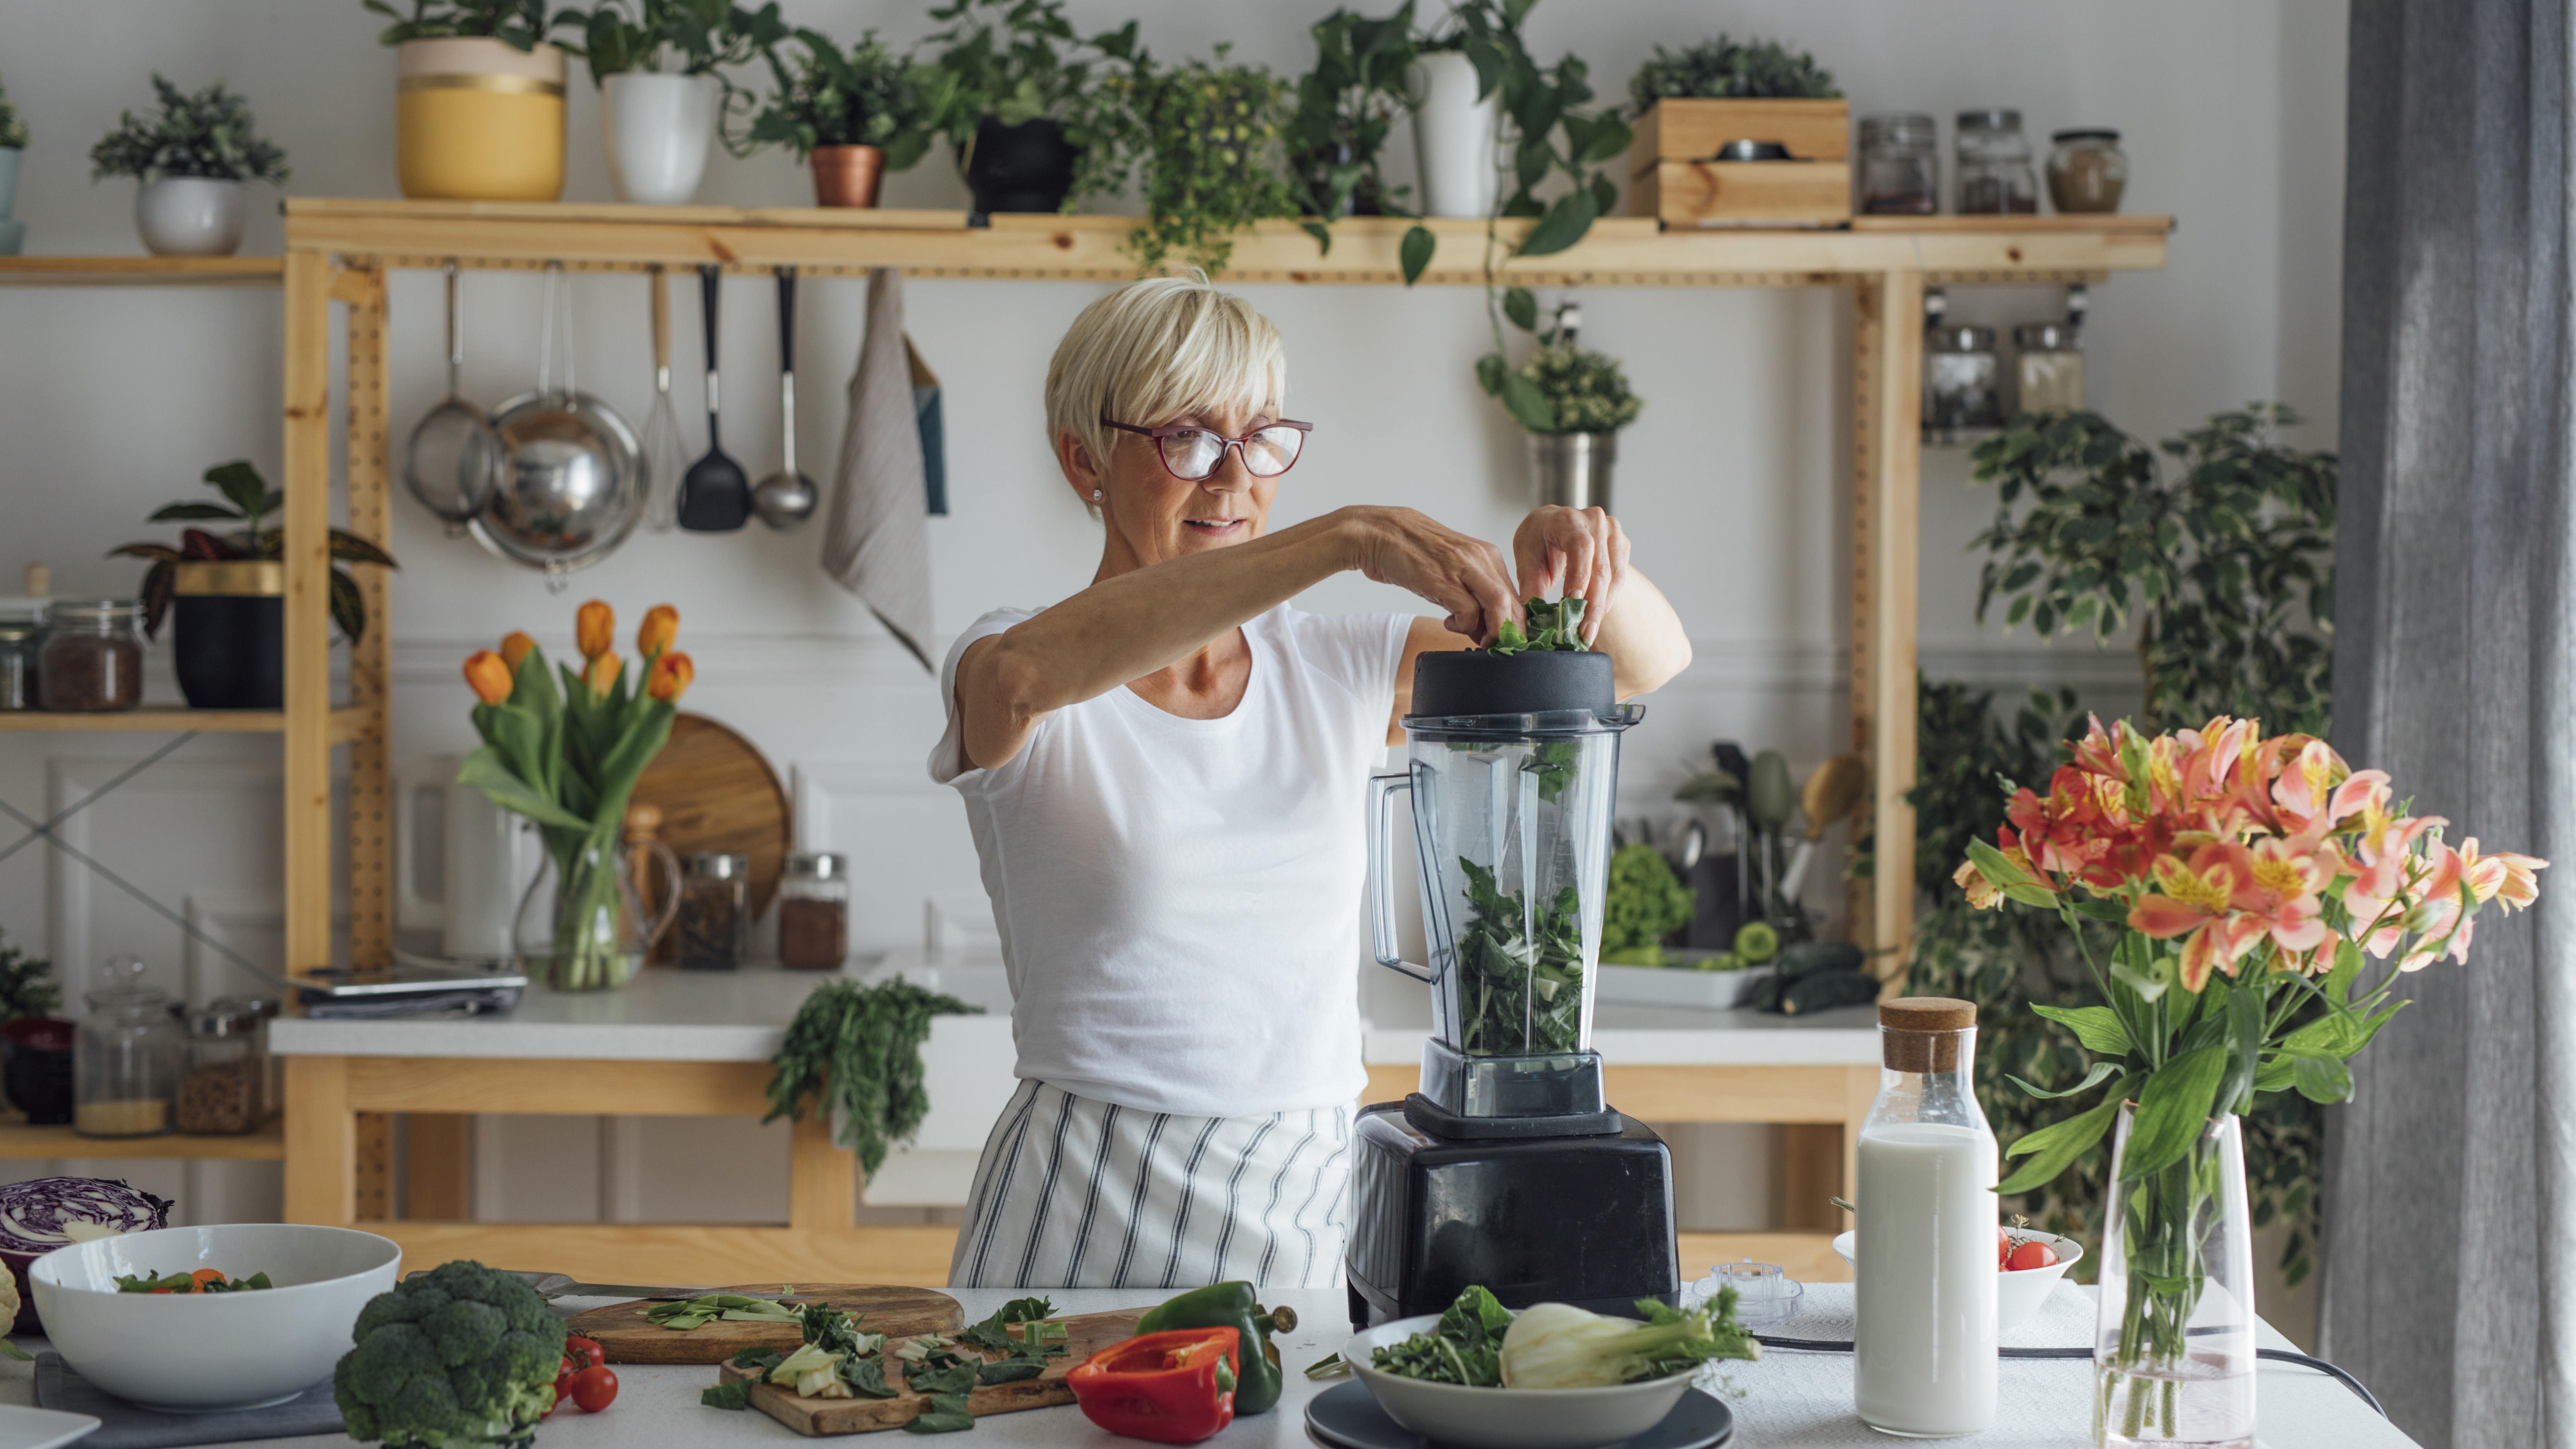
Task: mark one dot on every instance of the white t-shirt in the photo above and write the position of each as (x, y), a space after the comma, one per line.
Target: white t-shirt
(1179, 898)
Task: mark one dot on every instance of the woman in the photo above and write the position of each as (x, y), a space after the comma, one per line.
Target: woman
(1164, 774)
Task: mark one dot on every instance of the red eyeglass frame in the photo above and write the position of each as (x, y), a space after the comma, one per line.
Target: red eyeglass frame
(1169, 429)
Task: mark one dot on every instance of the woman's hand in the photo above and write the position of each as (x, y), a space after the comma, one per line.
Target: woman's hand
(1465, 576)
(1582, 551)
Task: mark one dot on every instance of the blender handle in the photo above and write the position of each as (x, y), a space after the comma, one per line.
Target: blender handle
(1381, 848)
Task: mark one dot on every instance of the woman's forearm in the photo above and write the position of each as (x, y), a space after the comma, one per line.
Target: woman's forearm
(1643, 637)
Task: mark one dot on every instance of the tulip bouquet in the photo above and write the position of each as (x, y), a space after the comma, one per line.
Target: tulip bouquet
(2253, 882)
(568, 758)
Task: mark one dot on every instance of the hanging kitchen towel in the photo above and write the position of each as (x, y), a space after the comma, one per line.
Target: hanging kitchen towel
(876, 542)
(934, 431)
(124, 1425)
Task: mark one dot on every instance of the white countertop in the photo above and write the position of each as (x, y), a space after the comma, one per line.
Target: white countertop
(658, 1408)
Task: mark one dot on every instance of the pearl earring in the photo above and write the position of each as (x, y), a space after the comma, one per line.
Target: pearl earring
(1095, 495)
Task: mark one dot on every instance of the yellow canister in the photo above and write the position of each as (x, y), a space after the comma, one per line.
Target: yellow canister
(475, 120)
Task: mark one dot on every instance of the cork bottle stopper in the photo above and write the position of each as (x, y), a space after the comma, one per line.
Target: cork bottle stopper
(40, 580)
(643, 822)
(1921, 1033)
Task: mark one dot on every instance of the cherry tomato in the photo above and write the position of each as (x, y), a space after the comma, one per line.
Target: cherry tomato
(584, 1352)
(595, 1388)
(2031, 1254)
(2003, 1248)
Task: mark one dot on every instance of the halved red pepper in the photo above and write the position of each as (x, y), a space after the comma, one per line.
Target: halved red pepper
(1173, 1387)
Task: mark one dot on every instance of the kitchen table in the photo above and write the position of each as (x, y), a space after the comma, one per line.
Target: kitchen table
(1789, 1399)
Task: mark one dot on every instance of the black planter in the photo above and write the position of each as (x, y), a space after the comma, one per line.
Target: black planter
(36, 1068)
(1027, 167)
(229, 645)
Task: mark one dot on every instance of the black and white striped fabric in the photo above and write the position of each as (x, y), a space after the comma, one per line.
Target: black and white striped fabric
(1076, 1193)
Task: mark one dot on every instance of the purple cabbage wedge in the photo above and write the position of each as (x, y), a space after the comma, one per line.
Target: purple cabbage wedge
(39, 1216)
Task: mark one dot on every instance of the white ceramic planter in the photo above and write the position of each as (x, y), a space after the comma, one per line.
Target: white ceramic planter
(190, 216)
(656, 129)
(1453, 137)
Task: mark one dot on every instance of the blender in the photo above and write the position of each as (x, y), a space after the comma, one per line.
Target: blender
(1508, 1168)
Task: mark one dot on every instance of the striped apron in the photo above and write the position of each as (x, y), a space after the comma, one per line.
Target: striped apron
(1073, 1193)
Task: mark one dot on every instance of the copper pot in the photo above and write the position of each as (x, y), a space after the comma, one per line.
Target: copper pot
(847, 175)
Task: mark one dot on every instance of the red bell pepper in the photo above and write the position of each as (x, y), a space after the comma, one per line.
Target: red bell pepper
(1174, 1387)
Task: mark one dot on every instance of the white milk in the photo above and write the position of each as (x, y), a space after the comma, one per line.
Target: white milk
(1925, 1347)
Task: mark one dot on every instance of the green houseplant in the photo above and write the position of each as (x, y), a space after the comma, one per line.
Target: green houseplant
(191, 159)
(1347, 106)
(659, 66)
(1572, 402)
(1722, 69)
(853, 114)
(248, 501)
(1021, 103)
(521, 25)
(478, 97)
(13, 149)
(1211, 136)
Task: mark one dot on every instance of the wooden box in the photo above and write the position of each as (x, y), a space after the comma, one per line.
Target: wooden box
(1673, 178)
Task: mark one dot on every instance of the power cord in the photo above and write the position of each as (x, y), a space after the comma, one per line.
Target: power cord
(2276, 1355)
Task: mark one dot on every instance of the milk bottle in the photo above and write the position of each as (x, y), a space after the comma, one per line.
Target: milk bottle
(1925, 1253)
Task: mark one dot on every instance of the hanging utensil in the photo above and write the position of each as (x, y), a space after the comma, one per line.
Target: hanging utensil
(570, 492)
(453, 461)
(1835, 790)
(663, 460)
(714, 497)
(785, 499)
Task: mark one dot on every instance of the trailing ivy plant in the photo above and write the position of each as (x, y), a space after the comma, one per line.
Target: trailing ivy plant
(1016, 61)
(208, 134)
(1212, 137)
(677, 37)
(1346, 111)
(1721, 69)
(518, 24)
(865, 96)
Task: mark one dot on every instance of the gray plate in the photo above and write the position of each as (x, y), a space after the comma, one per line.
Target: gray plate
(1347, 1416)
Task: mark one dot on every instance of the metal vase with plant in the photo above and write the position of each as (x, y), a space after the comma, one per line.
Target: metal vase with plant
(1573, 402)
(192, 159)
(2246, 877)
(1018, 101)
(568, 759)
(659, 66)
(854, 115)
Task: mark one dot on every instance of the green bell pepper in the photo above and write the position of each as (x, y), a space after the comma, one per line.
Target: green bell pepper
(1231, 1305)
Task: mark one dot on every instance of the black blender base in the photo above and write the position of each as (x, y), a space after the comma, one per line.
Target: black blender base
(1586, 1220)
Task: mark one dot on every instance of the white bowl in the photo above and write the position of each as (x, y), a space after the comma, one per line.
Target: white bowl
(2018, 1294)
(197, 1351)
(1473, 1418)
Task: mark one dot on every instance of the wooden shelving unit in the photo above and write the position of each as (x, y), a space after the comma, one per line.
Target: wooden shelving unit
(20, 1141)
(344, 723)
(141, 271)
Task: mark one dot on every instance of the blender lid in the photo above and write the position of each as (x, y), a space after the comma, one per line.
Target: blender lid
(1449, 684)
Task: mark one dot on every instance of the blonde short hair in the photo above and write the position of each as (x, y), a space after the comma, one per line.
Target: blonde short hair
(1157, 349)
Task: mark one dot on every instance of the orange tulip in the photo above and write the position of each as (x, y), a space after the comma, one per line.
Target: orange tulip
(601, 674)
(595, 629)
(670, 678)
(515, 647)
(661, 625)
(489, 675)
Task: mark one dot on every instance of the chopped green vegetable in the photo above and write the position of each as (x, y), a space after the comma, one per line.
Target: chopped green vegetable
(865, 1376)
(946, 1415)
(1645, 902)
(1520, 996)
(731, 1307)
(1723, 961)
(808, 1358)
(12, 1350)
(857, 1049)
(1464, 1347)
(763, 1359)
(190, 1283)
(1009, 1370)
(832, 1330)
(995, 1332)
(1560, 1346)
(735, 1395)
(1330, 1366)
(1551, 630)
(956, 1378)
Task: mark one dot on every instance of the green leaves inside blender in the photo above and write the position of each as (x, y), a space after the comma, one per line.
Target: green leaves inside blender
(1521, 971)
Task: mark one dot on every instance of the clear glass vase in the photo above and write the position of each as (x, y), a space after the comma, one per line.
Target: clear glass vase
(2173, 1351)
(582, 926)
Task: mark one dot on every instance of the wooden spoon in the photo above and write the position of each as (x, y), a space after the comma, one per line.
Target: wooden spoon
(1834, 790)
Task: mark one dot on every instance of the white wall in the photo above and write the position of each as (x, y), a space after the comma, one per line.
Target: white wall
(1734, 481)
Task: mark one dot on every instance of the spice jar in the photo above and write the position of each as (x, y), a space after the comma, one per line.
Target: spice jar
(1995, 175)
(2048, 368)
(127, 1056)
(20, 642)
(2086, 172)
(814, 912)
(1961, 387)
(715, 911)
(1899, 171)
(226, 1088)
(92, 659)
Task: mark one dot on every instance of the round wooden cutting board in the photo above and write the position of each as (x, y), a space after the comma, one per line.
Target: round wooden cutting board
(627, 1336)
(716, 793)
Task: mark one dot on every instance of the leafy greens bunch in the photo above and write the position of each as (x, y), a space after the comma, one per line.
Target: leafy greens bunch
(1522, 990)
(857, 1049)
(1553, 628)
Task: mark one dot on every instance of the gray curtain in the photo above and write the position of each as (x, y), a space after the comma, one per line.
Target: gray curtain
(2450, 1196)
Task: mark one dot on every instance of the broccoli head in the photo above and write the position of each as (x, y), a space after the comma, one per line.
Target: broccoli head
(458, 1358)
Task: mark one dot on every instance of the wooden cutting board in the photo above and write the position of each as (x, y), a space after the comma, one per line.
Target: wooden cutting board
(1087, 1334)
(627, 1336)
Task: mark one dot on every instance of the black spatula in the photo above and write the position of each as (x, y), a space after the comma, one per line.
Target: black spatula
(715, 497)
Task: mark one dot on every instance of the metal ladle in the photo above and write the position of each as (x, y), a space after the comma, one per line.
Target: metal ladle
(785, 499)
(453, 461)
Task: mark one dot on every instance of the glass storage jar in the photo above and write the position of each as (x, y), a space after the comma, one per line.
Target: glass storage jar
(1962, 392)
(1900, 173)
(226, 1086)
(1995, 175)
(2086, 171)
(814, 912)
(2048, 368)
(20, 642)
(715, 911)
(93, 655)
(128, 1055)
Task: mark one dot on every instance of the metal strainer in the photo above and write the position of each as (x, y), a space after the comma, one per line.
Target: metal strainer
(571, 488)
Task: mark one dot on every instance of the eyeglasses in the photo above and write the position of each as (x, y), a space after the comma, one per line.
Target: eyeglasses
(1193, 454)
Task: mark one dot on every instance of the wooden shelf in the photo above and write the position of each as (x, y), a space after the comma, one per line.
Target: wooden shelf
(20, 1141)
(141, 271)
(1630, 251)
(347, 723)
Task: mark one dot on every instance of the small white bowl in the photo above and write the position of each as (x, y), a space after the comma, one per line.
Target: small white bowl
(2018, 1294)
(203, 1351)
(1473, 1418)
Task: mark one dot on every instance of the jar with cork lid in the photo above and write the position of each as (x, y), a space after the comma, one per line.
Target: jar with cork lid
(1924, 1349)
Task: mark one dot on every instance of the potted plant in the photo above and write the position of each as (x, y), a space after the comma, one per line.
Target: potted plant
(478, 99)
(1572, 403)
(1016, 99)
(854, 115)
(1211, 146)
(13, 149)
(1346, 110)
(228, 591)
(35, 1044)
(1693, 108)
(192, 160)
(661, 92)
